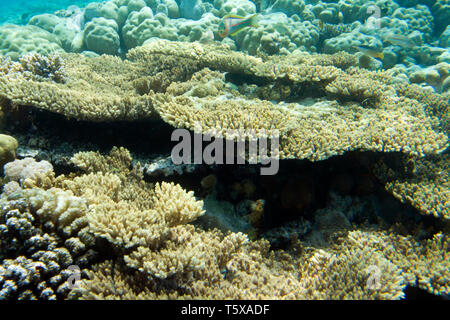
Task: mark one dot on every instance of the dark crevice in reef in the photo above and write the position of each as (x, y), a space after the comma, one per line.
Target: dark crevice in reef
(289, 92)
(240, 79)
(293, 92)
(301, 187)
(58, 138)
(415, 293)
(296, 192)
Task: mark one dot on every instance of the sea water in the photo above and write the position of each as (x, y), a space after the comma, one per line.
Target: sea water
(20, 11)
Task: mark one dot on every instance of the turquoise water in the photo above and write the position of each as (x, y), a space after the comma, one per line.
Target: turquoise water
(354, 93)
(20, 11)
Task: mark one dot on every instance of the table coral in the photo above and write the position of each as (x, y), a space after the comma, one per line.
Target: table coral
(80, 98)
(135, 236)
(422, 182)
(131, 88)
(157, 242)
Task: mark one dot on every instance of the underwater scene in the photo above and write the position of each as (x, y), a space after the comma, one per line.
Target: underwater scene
(225, 149)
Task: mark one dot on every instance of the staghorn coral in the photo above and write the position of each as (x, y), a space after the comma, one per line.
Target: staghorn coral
(35, 67)
(424, 263)
(136, 215)
(160, 81)
(421, 182)
(42, 235)
(97, 89)
(341, 271)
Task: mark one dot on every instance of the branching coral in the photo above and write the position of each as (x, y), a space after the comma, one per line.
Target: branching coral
(352, 109)
(41, 67)
(97, 89)
(315, 131)
(124, 209)
(35, 67)
(321, 105)
(196, 265)
(422, 182)
(359, 267)
(424, 263)
(160, 255)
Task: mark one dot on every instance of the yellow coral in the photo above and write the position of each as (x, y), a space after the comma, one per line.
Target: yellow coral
(426, 185)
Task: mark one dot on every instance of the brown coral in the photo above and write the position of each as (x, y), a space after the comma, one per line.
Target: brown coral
(422, 182)
(349, 108)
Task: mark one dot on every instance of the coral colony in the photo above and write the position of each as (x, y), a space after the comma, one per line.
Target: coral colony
(220, 152)
(226, 149)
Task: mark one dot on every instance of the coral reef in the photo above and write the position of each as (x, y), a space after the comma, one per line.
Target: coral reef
(80, 97)
(138, 88)
(422, 182)
(417, 18)
(435, 76)
(287, 276)
(116, 26)
(441, 13)
(35, 67)
(161, 255)
(26, 170)
(351, 95)
(71, 228)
